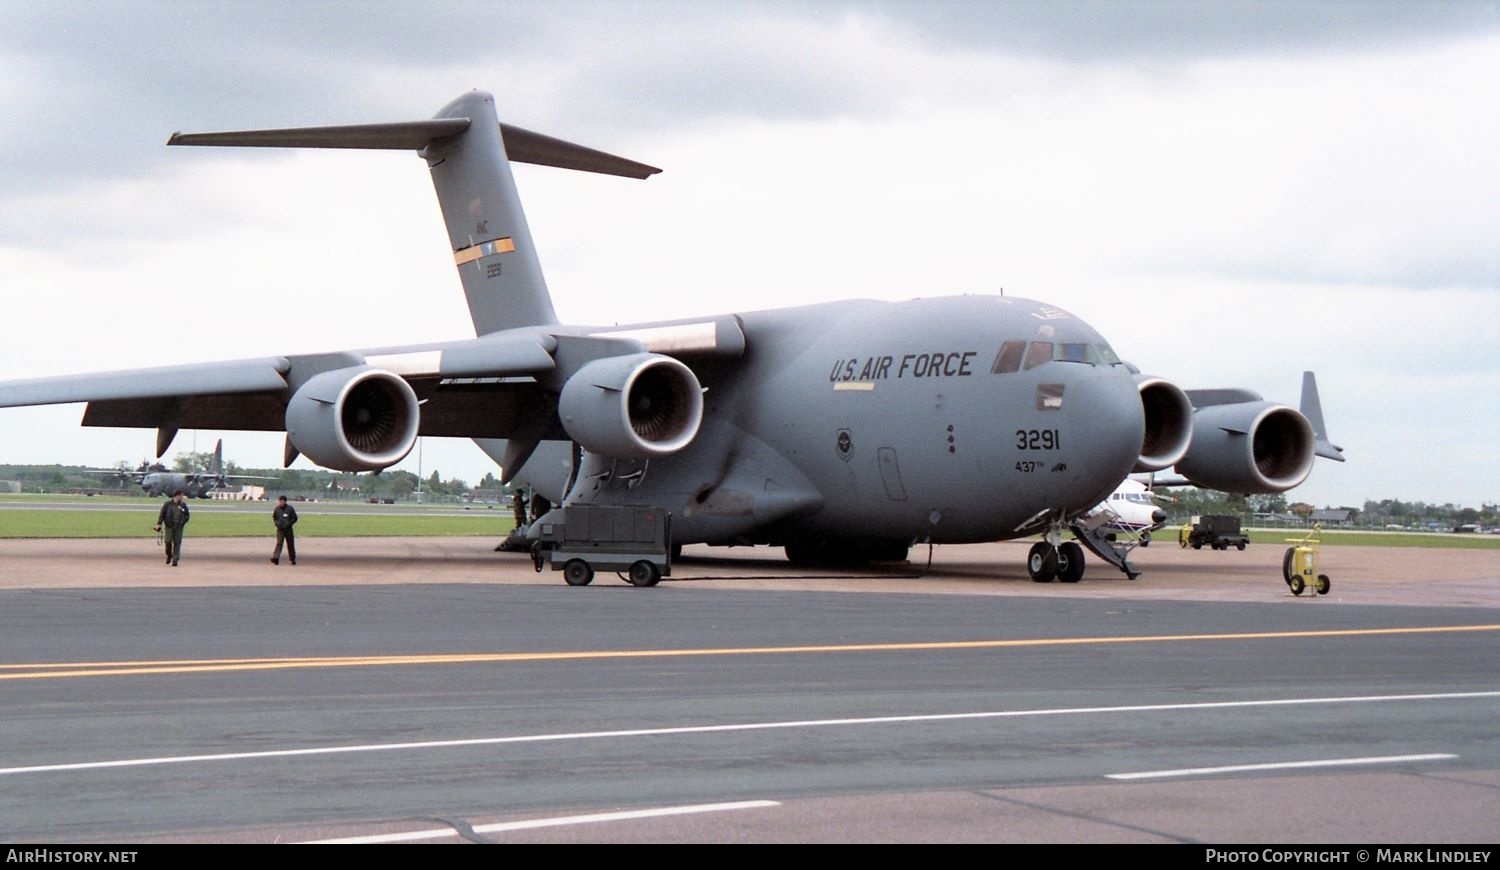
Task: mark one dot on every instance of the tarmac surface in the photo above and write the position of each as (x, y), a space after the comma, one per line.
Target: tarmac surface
(428, 689)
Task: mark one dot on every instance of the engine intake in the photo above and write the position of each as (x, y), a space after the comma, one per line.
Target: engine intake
(632, 407)
(1249, 447)
(354, 419)
(1169, 424)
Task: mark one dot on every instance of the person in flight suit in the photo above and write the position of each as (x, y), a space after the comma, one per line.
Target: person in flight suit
(285, 516)
(173, 516)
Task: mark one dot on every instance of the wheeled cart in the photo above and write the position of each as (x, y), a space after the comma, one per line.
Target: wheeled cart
(581, 539)
(1299, 567)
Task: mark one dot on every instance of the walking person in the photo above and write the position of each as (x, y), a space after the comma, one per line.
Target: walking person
(285, 516)
(173, 516)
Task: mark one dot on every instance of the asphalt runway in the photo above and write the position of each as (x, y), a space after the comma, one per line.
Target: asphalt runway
(431, 690)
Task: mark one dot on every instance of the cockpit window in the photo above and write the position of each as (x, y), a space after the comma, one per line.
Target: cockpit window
(1009, 358)
(1015, 356)
(1078, 352)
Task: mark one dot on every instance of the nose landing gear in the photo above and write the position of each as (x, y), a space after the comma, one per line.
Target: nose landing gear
(1048, 561)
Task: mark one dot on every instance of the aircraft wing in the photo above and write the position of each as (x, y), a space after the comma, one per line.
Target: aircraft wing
(474, 388)
(239, 376)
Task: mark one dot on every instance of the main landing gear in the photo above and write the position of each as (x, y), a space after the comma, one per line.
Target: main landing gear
(1048, 561)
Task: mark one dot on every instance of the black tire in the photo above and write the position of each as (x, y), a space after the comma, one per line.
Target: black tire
(644, 573)
(1286, 563)
(578, 572)
(1041, 562)
(1145, 539)
(1296, 584)
(1323, 584)
(1197, 545)
(1240, 545)
(1070, 562)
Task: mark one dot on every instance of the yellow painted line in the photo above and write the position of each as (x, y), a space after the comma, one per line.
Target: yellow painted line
(51, 670)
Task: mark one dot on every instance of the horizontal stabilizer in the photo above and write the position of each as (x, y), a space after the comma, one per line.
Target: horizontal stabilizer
(521, 145)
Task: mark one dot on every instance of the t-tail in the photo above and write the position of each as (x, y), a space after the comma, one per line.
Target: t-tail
(469, 153)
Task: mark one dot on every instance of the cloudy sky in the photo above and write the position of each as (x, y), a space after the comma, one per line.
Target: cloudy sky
(1230, 192)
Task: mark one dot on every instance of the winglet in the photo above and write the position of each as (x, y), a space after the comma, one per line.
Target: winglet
(1312, 409)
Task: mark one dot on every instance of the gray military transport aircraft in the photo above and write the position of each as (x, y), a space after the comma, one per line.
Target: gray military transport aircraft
(846, 430)
(157, 480)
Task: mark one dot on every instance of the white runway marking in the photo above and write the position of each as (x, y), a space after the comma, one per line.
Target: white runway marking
(555, 822)
(1281, 765)
(744, 726)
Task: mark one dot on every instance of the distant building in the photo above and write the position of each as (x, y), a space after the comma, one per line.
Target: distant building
(10, 486)
(247, 492)
(1336, 517)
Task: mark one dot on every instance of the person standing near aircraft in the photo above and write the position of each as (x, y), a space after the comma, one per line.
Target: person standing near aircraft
(285, 516)
(173, 516)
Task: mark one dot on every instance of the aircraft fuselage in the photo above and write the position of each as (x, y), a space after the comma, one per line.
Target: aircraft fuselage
(897, 421)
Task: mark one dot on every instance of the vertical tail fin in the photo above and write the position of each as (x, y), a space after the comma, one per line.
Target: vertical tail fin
(216, 465)
(487, 229)
(469, 153)
(1312, 408)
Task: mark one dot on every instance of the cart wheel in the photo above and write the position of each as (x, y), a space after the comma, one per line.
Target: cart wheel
(1197, 545)
(1070, 563)
(644, 573)
(1145, 539)
(1296, 584)
(1286, 564)
(1323, 584)
(578, 573)
(1041, 562)
(1240, 545)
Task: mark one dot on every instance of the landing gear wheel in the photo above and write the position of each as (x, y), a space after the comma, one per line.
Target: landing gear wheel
(578, 573)
(1041, 562)
(1296, 584)
(1286, 564)
(1145, 539)
(1323, 584)
(1070, 562)
(644, 573)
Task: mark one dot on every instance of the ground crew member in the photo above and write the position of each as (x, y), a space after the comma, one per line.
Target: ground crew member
(285, 516)
(173, 516)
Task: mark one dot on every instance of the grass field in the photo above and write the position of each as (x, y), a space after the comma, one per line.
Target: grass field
(72, 516)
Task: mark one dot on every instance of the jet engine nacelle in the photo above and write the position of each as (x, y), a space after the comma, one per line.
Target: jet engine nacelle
(354, 419)
(1249, 447)
(632, 407)
(1169, 424)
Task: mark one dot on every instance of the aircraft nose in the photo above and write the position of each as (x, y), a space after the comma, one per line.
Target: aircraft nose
(1104, 409)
